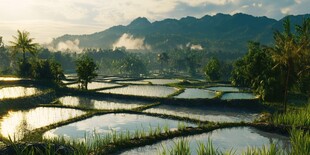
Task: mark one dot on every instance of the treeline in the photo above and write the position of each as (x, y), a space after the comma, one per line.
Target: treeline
(177, 62)
(273, 71)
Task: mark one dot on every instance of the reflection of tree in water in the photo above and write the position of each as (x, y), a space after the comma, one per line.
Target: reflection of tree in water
(86, 102)
(22, 129)
(280, 141)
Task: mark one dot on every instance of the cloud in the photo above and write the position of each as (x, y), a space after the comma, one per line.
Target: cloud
(69, 45)
(131, 43)
(47, 19)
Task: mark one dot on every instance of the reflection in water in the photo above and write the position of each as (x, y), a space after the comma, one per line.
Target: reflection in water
(205, 113)
(133, 82)
(235, 96)
(162, 81)
(100, 104)
(196, 93)
(141, 90)
(237, 138)
(224, 89)
(109, 122)
(95, 85)
(15, 92)
(10, 79)
(18, 123)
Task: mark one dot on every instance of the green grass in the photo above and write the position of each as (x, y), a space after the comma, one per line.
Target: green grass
(299, 117)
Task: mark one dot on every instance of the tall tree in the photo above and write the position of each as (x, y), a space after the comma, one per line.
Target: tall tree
(212, 69)
(23, 43)
(86, 70)
(288, 51)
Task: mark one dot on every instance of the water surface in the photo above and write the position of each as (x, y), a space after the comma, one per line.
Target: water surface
(95, 85)
(107, 104)
(205, 113)
(18, 91)
(142, 90)
(192, 93)
(110, 122)
(235, 96)
(17, 123)
(224, 89)
(162, 81)
(237, 138)
(10, 79)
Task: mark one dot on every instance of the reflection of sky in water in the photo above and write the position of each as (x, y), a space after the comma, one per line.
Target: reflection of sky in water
(196, 93)
(232, 96)
(17, 123)
(162, 81)
(107, 123)
(141, 90)
(224, 89)
(205, 113)
(100, 104)
(10, 79)
(95, 85)
(133, 82)
(237, 138)
(15, 92)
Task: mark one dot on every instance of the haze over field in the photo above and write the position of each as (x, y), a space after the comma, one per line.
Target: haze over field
(50, 19)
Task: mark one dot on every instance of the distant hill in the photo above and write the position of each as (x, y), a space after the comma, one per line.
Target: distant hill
(221, 32)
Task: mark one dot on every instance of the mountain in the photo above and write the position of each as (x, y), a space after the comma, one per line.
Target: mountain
(221, 32)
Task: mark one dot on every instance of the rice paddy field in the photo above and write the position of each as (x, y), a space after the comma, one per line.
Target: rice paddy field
(142, 116)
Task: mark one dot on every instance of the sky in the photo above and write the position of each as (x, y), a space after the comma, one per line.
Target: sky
(48, 19)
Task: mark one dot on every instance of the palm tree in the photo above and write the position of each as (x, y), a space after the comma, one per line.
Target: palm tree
(22, 42)
(288, 52)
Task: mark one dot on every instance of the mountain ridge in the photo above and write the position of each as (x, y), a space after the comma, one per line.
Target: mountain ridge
(221, 32)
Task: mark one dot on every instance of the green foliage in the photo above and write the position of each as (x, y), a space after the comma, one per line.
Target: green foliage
(132, 65)
(255, 70)
(46, 70)
(212, 69)
(86, 70)
(23, 43)
(290, 53)
(273, 71)
(4, 59)
(299, 117)
(300, 141)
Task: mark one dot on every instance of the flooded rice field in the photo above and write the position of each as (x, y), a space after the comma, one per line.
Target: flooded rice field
(162, 81)
(16, 124)
(108, 104)
(18, 91)
(195, 93)
(111, 122)
(238, 139)
(237, 96)
(224, 89)
(10, 79)
(204, 113)
(95, 85)
(141, 90)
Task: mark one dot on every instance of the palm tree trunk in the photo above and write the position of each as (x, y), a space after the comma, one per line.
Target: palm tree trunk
(286, 88)
(24, 55)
